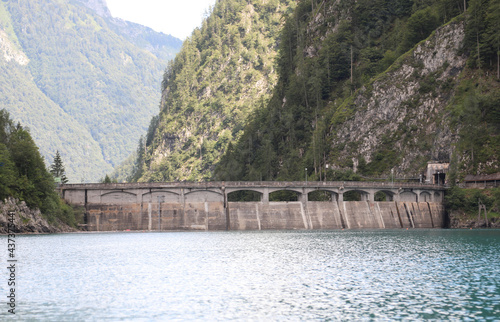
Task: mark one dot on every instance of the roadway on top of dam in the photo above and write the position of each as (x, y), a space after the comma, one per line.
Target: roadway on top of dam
(256, 184)
(397, 191)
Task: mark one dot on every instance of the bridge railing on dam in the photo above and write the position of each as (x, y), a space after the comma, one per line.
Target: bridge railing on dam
(367, 190)
(205, 205)
(219, 184)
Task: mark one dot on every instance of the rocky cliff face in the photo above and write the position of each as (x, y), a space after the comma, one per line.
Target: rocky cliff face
(9, 52)
(26, 220)
(403, 111)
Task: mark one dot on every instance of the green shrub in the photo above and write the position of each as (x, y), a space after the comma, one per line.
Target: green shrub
(467, 200)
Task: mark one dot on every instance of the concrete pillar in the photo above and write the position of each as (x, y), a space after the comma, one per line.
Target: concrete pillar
(97, 217)
(369, 196)
(395, 196)
(182, 200)
(341, 197)
(226, 209)
(149, 217)
(334, 196)
(181, 196)
(303, 197)
(86, 207)
(265, 195)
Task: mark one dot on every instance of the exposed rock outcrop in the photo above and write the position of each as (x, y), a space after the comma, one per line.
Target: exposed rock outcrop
(8, 50)
(27, 220)
(406, 106)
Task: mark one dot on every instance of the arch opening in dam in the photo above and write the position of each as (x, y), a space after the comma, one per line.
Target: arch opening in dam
(244, 196)
(356, 195)
(322, 195)
(384, 195)
(407, 195)
(285, 196)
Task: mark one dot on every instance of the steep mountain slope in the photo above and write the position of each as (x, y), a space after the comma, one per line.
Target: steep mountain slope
(224, 71)
(338, 109)
(81, 87)
(399, 120)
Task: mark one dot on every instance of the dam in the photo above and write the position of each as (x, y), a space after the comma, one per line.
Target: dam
(174, 206)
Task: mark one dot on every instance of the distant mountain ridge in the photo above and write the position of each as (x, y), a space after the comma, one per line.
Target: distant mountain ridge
(161, 45)
(84, 83)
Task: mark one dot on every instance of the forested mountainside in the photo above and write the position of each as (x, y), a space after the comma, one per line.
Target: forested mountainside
(79, 81)
(224, 71)
(368, 87)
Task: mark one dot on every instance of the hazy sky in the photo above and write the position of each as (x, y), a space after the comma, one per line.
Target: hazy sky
(175, 17)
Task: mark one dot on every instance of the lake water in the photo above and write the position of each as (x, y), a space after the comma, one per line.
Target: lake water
(278, 275)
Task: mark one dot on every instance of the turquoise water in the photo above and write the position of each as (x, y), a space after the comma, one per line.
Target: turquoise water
(292, 275)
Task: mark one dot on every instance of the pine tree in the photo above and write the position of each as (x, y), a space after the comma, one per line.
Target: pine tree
(57, 169)
(107, 180)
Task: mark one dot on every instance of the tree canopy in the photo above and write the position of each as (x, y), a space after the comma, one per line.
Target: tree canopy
(23, 174)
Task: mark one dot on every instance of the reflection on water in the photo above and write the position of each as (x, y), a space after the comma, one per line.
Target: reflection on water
(299, 275)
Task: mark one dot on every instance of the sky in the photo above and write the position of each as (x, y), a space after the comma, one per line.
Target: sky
(175, 17)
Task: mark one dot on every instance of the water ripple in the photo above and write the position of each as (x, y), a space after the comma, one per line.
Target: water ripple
(296, 275)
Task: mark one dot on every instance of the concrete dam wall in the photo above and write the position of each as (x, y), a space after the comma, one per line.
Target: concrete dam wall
(325, 215)
(115, 207)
